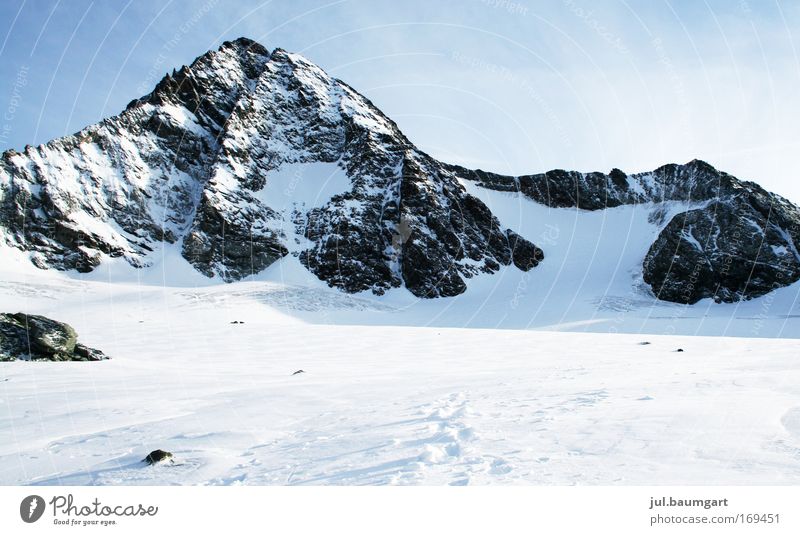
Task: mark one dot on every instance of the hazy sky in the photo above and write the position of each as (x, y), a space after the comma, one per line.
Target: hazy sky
(511, 86)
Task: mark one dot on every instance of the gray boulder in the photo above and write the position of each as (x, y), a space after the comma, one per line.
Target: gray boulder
(31, 337)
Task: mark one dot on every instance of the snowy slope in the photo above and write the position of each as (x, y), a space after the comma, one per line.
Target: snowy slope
(591, 280)
(391, 396)
(386, 405)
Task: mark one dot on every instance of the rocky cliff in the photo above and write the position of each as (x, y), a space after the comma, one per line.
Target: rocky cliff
(248, 155)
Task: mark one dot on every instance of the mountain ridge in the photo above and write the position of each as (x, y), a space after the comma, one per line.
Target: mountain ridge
(193, 162)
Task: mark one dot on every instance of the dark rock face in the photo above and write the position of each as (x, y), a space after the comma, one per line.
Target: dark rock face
(693, 182)
(230, 249)
(741, 244)
(451, 235)
(427, 232)
(31, 337)
(727, 251)
(524, 254)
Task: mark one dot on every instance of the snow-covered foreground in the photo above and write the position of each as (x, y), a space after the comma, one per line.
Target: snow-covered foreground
(480, 388)
(381, 404)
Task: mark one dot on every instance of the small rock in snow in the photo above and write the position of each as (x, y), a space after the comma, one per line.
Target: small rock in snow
(158, 456)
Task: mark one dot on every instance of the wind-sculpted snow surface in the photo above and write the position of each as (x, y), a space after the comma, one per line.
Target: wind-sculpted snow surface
(434, 406)
(196, 163)
(400, 390)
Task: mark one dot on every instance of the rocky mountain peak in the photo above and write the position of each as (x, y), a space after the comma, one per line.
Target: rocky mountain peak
(200, 160)
(247, 156)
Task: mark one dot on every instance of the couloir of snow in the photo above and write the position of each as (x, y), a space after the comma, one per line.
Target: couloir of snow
(476, 389)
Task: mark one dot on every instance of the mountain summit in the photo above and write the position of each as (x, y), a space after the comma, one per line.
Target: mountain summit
(247, 156)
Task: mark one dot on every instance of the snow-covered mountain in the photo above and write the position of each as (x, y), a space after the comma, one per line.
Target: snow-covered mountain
(257, 168)
(249, 156)
(734, 240)
(246, 156)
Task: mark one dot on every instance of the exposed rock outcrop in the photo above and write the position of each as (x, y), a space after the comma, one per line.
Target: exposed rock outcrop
(732, 249)
(159, 457)
(32, 337)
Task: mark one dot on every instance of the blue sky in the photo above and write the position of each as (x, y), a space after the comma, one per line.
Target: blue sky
(511, 86)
